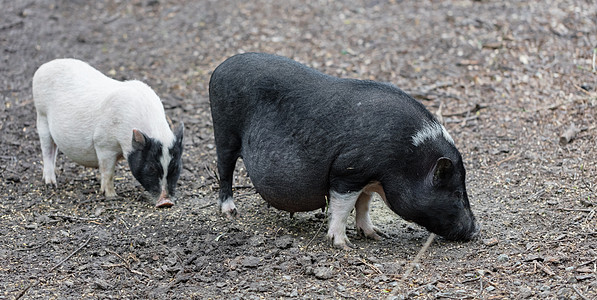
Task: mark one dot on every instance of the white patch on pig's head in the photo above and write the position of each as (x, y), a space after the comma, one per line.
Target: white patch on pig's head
(431, 130)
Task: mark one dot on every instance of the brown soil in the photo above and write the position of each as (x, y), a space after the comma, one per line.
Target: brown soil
(508, 77)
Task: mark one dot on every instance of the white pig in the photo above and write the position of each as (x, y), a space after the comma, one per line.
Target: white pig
(95, 120)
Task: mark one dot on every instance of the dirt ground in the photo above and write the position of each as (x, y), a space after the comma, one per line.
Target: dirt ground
(508, 78)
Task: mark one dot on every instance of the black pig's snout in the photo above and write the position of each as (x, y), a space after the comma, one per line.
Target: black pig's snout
(465, 231)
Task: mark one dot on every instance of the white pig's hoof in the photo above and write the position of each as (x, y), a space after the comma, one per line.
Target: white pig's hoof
(341, 241)
(110, 194)
(50, 180)
(372, 233)
(347, 245)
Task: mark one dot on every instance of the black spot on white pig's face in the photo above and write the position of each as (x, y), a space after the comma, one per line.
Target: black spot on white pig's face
(155, 167)
(145, 162)
(440, 203)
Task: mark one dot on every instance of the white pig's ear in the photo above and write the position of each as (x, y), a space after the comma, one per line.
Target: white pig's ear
(139, 139)
(444, 168)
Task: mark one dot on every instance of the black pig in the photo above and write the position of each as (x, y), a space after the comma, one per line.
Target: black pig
(308, 139)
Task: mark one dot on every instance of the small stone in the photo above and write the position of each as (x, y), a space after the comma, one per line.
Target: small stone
(503, 257)
(31, 226)
(490, 242)
(564, 293)
(544, 295)
(257, 241)
(284, 242)
(525, 292)
(584, 277)
(571, 279)
(101, 284)
(323, 273)
(42, 219)
(251, 262)
(293, 293)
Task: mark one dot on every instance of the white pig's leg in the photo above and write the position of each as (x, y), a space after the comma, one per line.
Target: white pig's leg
(49, 151)
(107, 163)
(362, 218)
(340, 206)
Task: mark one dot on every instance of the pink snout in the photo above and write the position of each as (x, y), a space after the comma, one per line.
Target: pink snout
(164, 201)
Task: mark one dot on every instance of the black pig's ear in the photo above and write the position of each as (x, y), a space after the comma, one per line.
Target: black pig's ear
(139, 139)
(444, 168)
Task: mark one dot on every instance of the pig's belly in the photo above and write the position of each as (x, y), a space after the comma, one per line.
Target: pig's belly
(78, 148)
(286, 177)
(85, 157)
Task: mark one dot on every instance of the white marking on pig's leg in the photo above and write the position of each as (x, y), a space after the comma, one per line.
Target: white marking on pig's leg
(49, 150)
(363, 220)
(107, 164)
(340, 206)
(228, 208)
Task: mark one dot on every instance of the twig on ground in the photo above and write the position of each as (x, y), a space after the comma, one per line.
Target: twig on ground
(594, 56)
(511, 157)
(545, 269)
(576, 209)
(575, 288)
(72, 218)
(471, 280)
(419, 255)
(126, 264)
(374, 268)
(207, 205)
(578, 87)
(70, 255)
(465, 113)
(586, 263)
(550, 107)
(463, 120)
(26, 289)
(315, 235)
(32, 248)
(416, 260)
(36, 282)
(320, 225)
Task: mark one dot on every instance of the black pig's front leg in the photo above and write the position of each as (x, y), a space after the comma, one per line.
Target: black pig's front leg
(226, 162)
(340, 206)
